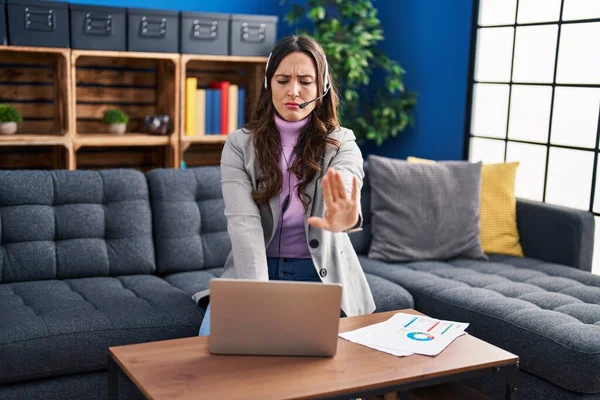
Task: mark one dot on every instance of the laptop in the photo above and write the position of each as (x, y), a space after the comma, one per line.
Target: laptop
(284, 318)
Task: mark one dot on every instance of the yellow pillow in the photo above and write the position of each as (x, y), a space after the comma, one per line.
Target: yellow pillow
(498, 209)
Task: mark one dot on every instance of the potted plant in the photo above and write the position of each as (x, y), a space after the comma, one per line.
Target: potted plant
(375, 103)
(9, 117)
(116, 120)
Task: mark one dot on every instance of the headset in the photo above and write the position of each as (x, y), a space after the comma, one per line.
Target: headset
(326, 84)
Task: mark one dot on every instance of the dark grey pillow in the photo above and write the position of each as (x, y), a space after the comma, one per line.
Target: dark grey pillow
(424, 211)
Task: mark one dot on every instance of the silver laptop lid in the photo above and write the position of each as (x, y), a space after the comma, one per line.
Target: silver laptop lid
(274, 317)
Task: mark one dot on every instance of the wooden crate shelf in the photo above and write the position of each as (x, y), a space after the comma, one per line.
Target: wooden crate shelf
(63, 95)
(127, 139)
(35, 81)
(19, 139)
(200, 154)
(246, 72)
(204, 139)
(143, 158)
(116, 55)
(140, 84)
(43, 157)
(226, 59)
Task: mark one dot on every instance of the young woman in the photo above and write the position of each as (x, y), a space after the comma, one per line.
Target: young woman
(291, 182)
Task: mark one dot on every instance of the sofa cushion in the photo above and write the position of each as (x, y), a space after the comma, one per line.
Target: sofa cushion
(190, 228)
(529, 307)
(438, 217)
(71, 224)
(388, 295)
(498, 209)
(193, 281)
(59, 327)
(361, 240)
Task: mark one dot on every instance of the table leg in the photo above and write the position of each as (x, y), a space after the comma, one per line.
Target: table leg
(113, 379)
(512, 375)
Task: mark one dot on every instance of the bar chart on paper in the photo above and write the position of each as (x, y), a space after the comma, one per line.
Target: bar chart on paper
(406, 334)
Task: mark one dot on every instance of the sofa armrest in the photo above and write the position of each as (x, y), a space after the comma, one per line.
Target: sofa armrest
(556, 234)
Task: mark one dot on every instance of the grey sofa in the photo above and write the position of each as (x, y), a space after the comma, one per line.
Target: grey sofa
(544, 307)
(90, 260)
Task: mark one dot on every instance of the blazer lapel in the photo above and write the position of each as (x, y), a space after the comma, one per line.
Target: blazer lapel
(309, 190)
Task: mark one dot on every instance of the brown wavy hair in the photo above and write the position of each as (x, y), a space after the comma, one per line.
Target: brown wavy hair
(312, 141)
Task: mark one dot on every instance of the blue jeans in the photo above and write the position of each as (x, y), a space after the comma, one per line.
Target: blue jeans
(280, 269)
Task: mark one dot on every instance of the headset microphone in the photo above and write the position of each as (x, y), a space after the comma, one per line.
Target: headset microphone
(308, 102)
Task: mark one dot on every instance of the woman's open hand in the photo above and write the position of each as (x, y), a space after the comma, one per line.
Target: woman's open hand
(341, 212)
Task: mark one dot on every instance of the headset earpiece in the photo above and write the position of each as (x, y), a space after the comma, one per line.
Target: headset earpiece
(326, 79)
(267, 69)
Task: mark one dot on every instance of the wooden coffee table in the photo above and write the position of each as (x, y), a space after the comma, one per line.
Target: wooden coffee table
(184, 369)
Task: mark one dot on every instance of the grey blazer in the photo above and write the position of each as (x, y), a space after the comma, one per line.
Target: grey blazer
(251, 226)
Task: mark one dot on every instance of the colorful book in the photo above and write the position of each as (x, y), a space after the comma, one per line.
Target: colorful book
(241, 106)
(200, 112)
(191, 85)
(208, 110)
(224, 104)
(217, 114)
(233, 108)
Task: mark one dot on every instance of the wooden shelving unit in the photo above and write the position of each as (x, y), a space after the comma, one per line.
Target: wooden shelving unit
(138, 83)
(35, 80)
(247, 72)
(63, 94)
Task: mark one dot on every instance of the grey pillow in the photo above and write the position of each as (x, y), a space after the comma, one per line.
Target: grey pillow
(424, 211)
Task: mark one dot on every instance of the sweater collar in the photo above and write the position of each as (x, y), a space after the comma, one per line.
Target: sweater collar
(289, 131)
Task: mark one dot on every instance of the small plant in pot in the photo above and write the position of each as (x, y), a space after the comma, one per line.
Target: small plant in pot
(9, 118)
(116, 120)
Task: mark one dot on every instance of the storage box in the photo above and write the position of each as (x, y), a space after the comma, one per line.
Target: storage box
(253, 35)
(204, 33)
(152, 30)
(38, 23)
(3, 37)
(98, 28)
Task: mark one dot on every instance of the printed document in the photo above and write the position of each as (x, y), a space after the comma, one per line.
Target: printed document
(407, 334)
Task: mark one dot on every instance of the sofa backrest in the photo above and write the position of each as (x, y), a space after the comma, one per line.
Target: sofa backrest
(361, 240)
(190, 228)
(72, 224)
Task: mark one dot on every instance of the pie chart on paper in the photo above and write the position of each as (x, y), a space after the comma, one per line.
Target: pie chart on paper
(420, 336)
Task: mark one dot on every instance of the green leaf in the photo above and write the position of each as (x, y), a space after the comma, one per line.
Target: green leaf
(320, 12)
(317, 13)
(374, 101)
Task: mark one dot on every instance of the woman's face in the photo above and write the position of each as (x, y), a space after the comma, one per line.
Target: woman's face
(293, 83)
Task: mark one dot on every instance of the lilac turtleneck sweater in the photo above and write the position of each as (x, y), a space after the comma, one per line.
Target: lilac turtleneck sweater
(293, 235)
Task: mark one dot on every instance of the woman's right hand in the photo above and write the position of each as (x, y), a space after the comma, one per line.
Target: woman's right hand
(341, 212)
